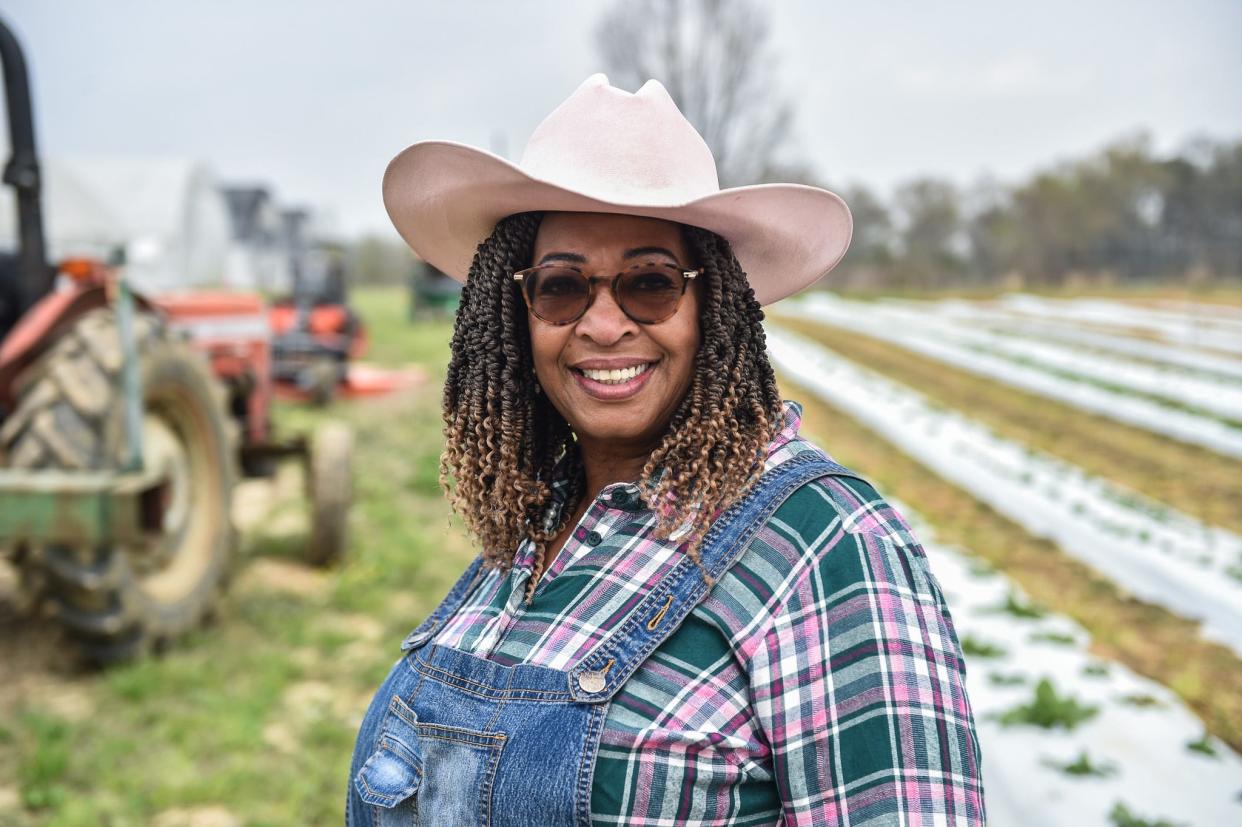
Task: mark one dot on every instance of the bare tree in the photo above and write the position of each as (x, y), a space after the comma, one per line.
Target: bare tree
(713, 57)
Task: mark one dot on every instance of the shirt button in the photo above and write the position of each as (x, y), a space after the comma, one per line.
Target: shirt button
(594, 538)
(620, 497)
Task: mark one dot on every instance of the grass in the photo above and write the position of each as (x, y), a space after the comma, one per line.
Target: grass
(1188, 478)
(1148, 639)
(257, 713)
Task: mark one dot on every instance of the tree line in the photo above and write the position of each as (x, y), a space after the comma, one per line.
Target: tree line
(1122, 215)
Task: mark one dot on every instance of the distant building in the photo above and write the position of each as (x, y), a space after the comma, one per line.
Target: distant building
(166, 216)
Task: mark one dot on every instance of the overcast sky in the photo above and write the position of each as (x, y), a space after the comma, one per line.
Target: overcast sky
(315, 97)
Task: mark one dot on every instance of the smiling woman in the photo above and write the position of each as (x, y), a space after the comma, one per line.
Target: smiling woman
(682, 611)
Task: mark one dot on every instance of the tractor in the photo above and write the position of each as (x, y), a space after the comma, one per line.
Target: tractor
(315, 332)
(125, 422)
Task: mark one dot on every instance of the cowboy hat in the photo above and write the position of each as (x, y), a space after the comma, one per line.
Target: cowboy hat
(606, 150)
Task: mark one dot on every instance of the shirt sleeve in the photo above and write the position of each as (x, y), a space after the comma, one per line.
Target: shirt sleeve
(859, 683)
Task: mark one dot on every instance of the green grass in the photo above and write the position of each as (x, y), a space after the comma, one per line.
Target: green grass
(257, 713)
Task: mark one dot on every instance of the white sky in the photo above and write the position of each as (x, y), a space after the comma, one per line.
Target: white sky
(315, 97)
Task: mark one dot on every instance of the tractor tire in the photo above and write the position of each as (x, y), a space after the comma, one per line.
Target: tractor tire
(119, 602)
(319, 380)
(331, 492)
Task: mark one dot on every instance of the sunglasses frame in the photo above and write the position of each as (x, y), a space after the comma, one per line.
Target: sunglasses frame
(520, 277)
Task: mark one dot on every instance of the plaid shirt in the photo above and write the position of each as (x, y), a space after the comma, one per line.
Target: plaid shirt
(820, 682)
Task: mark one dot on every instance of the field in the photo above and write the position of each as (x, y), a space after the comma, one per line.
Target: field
(251, 721)
(1070, 466)
(1091, 563)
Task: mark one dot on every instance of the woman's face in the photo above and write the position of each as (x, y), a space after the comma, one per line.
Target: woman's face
(634, 412)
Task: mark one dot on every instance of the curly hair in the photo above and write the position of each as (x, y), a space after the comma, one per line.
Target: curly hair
(503, 439)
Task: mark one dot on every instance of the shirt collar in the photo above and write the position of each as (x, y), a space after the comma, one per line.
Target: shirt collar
(792, 412)
(625, 495)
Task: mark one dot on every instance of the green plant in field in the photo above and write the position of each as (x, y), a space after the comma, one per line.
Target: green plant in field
(1203, 745)
(1083, 766)
(1096, 670)
(1049, 710)
(1120, 816)
(1059, 638)
(980, 568)
(1019, 607)
(1001, 679)
(1141, 699)
(42, 769)
(973, 647)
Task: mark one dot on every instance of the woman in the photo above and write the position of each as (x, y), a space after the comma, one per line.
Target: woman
(683, 612)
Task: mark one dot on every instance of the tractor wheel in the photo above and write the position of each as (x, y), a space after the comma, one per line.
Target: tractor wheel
(116, 601)
(319, 379)
(331, 492)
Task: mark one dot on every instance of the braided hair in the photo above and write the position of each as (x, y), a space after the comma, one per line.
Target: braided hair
(503, 438)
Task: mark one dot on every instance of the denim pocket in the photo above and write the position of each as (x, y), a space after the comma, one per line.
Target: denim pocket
(394, 771)
(426, 773)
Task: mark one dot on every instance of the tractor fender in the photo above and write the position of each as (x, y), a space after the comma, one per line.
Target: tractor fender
(44, 323)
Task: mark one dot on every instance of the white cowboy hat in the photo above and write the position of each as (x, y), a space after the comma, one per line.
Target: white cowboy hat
(606, 150)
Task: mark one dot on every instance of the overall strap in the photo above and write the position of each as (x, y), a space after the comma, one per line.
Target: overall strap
(461, 589)
(664, 608)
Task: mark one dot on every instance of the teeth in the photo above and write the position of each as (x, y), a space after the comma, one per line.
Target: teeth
(615, 377)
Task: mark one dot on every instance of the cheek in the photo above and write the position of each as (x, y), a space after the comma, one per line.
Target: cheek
(687, 347)
(546, 344)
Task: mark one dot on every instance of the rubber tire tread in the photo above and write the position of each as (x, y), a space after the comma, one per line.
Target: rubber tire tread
(59, 422)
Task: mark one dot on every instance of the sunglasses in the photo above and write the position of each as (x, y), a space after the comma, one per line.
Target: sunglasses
(647, 293)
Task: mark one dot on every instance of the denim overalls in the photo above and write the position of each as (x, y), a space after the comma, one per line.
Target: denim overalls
(454, 739)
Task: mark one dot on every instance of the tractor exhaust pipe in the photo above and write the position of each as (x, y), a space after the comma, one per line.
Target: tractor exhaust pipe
(36, 278)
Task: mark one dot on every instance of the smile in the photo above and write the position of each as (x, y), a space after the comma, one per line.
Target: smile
(617, 376)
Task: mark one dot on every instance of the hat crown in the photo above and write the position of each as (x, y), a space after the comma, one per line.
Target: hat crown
(621, 147)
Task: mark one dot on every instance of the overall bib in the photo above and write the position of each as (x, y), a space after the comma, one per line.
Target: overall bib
(454, 739)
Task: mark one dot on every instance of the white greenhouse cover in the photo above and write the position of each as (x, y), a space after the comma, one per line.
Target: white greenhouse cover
(167, 213)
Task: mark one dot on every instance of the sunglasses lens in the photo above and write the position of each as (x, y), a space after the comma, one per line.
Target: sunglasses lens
(651, 293)
(557, 295)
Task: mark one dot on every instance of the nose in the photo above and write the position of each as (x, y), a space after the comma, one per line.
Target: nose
(604, 322)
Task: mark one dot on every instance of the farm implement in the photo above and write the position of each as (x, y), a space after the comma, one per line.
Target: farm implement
(125, 421)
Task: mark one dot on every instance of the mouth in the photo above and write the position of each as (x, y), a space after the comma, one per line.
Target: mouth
(614, 376)
(612, 383)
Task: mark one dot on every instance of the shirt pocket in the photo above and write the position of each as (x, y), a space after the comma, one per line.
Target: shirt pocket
(429, 774)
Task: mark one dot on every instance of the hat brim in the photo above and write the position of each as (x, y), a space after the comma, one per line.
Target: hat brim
(445, 198)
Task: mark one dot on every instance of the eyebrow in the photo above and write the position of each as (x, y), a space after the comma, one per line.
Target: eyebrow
(574, 257)
(646, 251)
(577, 258)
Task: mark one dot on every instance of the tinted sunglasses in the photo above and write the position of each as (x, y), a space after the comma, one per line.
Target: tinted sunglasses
(647, 293)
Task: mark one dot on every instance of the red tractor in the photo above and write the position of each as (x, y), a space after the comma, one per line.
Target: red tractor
(125, 420)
